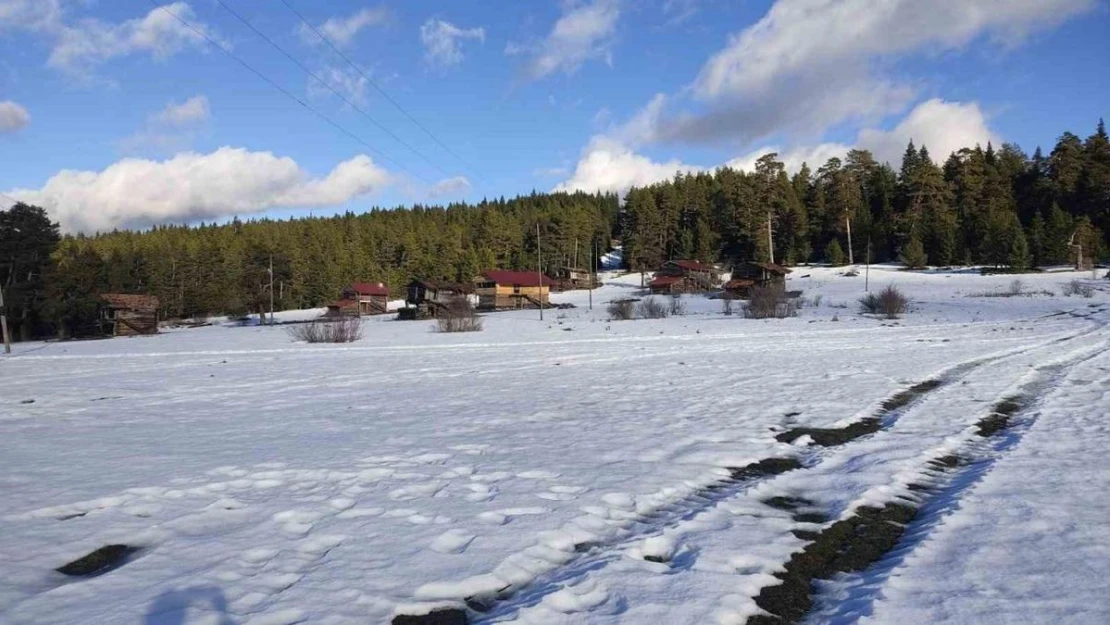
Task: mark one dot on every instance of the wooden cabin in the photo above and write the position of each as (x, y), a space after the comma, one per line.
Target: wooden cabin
(667, 285)
(503, 290)
(569, 278)
(429, 297)
(361, 298)
(760, 274)
(696, 277)
(129, 314)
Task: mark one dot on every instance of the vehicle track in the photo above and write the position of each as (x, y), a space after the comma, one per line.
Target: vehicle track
(578, 558)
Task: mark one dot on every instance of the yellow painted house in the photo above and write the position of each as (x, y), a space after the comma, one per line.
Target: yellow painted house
(497, 290)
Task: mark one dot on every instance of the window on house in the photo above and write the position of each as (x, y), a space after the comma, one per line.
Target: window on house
(516, 288)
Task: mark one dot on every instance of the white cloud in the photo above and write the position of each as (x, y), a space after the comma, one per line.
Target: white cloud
(29, 14)
(793, 158)
(942, 127)
(344, 80)
(192, 111)
(443, 41)
(809, 64)
(13, 117)
(190, 186)
(584, 32)
(450, 187)
(90, 41)
(342, 30)
(609, 164)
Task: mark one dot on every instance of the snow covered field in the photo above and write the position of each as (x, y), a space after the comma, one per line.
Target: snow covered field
(540, 468)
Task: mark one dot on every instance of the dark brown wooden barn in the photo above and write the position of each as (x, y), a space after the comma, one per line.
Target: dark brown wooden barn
(129, 314)
(428, 298)
(361, 298)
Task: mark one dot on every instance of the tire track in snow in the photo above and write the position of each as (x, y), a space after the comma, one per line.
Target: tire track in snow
(1001, 431)
(566, 555)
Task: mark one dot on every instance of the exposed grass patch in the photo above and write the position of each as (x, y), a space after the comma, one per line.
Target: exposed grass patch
(848, 545)
(445, 616)
(100, 561)
(765, 467)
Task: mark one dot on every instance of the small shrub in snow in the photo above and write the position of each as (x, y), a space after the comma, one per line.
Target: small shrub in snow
(622, 310)
(458, 316)
(338, 330)
(1075, 287)
(770, 302)
(652, 308)
(890, 302)
(678, 307)
(1017, 287)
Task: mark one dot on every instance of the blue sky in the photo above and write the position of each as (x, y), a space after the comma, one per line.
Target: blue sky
(114, 114)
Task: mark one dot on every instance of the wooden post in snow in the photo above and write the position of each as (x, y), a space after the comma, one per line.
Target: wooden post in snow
(539, 267)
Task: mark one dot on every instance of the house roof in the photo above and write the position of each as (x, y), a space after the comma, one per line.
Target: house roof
(369, 288)
(772, 267)
(690, 265)
(516, 278)
(662, 281)
(437, 285)
(130, 301)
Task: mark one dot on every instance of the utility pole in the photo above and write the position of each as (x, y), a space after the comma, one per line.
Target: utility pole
(4, 323)
(271, 270)
(593, 271)
(539, 267)
(867, 272)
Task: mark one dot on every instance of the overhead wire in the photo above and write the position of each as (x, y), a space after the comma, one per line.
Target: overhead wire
(287, 93)
(329, 86)
(377, 87)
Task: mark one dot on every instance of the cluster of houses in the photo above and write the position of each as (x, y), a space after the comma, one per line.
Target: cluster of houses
(677, 277)
(129, 315)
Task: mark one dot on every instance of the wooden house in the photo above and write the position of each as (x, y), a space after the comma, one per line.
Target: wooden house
(569, 278)
(499, 290)
(429, 297)
(761, 274)
(750, 274)
(129, 314)
(667, 285)
(696, 277)
(361, 298)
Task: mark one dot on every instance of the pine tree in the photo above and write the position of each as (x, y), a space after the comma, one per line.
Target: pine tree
(834, 254)
(913, 254)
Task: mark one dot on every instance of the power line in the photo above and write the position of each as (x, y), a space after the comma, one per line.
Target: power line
(285, 91)
(346, 101)
(375, 85)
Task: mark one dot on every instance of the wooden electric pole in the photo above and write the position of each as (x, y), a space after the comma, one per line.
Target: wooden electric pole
(271, 270)
(539, 268)
(4, 324)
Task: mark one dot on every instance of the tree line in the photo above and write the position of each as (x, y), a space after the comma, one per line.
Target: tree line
(53, 282)
(982, 206)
